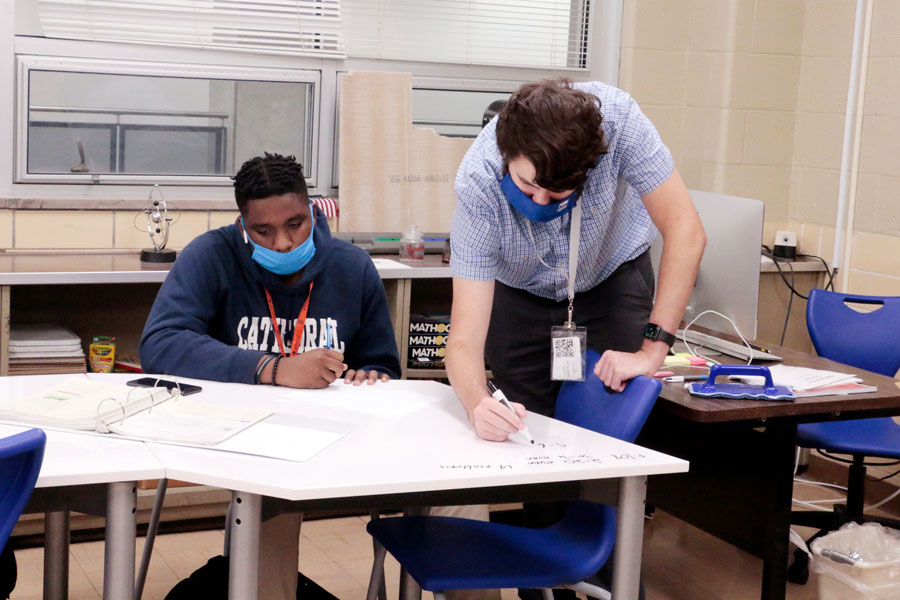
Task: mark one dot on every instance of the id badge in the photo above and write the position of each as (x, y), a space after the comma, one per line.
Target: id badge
(567, 353)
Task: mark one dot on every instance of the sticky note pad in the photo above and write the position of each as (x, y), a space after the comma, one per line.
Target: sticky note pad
(671, 361)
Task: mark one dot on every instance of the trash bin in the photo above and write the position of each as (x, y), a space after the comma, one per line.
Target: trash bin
(858, 562)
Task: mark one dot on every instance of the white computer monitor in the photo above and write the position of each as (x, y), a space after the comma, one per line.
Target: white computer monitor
(728, 280)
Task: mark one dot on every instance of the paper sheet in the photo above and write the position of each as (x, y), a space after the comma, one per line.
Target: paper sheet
(189, 421)
(802, 378)
(382, 400)
(287, 437)
(386, 263)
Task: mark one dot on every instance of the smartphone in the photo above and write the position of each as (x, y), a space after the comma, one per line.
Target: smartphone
(186, 388)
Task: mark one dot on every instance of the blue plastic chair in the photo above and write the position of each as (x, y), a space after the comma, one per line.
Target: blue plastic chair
(447, 553)
(20, 462)
(868, 341)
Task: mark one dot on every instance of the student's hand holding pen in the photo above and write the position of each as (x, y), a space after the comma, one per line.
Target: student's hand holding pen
(494, 420)
(313, 369)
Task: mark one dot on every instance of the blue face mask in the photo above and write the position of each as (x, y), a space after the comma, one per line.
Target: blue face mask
(284, 263)
(530, 209)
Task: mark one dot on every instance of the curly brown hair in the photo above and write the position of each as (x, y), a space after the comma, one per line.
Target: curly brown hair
(557, 128)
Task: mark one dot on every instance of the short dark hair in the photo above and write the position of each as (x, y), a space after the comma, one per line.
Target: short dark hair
(268, 175)
(557, 128)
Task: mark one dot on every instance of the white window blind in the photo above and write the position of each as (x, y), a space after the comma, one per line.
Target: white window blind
(525, 33)
(308, 27)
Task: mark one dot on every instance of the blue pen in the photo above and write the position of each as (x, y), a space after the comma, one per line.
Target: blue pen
(328, 335)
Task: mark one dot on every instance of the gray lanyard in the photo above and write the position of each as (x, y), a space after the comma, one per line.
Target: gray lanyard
(574, 236)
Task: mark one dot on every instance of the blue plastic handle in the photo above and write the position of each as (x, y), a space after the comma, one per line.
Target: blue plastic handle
(741, 370)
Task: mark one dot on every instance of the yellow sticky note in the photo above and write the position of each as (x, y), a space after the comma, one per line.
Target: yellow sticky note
(676, 360)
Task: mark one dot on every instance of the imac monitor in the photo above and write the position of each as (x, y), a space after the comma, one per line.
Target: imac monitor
(728, 279)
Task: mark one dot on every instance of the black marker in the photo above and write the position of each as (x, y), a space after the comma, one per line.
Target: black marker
(502, 399)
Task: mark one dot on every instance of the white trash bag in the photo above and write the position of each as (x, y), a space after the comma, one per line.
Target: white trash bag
(858, 562)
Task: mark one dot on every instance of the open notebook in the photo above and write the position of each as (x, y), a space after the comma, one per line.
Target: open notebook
(144, 413)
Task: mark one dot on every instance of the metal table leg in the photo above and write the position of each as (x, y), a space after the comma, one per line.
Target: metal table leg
(118, 563)
(629, 538)
(56, 555)
(243, 559)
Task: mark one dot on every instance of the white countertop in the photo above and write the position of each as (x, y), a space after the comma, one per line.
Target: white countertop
(55, 268)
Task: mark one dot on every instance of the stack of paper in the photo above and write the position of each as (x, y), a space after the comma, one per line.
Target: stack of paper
(41, 348)
(806, 382)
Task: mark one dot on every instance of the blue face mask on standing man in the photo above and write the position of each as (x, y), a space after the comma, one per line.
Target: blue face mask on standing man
(530, 209)
(284, 263)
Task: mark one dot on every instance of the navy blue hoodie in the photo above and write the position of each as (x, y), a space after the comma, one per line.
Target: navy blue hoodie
(211, 320)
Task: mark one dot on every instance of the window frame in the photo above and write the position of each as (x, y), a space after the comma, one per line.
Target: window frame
(25, 63)
(606, 18)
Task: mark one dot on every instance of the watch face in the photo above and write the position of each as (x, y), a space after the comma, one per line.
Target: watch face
(651, 331)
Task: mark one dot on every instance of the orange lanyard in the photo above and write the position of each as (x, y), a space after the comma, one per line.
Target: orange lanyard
(298, 326)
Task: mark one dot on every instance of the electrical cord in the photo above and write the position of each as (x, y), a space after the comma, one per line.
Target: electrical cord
(886, 477)
(775, 259)
(787, 314)
(849, 461)
(828, 270)
(733, 324)
(767, 252)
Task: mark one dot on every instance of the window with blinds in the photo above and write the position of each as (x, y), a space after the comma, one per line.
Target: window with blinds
(303, 27)
(524, 33)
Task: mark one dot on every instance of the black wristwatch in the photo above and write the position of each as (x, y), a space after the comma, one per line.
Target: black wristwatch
(654, 332)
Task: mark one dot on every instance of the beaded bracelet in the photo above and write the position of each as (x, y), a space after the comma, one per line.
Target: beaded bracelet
(262, 367)
(275, 368)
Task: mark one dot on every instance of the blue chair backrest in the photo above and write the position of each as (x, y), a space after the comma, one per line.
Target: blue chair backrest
(869, 340)
(20, 462)
(591, 405)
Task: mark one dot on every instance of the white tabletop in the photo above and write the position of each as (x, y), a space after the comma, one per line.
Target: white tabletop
(72, 458)
(404, 436)
(426, 449)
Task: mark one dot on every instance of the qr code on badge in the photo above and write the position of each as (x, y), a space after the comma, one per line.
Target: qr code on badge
(564, 347)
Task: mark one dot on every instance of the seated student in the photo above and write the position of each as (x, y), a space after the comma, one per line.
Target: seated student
(272, 299)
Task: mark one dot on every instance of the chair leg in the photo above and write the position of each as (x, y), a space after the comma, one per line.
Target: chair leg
(376, 580)
(374, 515)
(856, 489)
(152, 528)
(547, 593)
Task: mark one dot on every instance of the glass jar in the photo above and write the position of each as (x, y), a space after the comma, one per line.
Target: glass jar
(412, 245)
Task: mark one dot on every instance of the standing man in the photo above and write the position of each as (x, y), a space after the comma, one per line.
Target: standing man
(525, 263)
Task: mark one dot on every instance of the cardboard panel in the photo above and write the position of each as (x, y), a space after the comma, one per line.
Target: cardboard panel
(391, 173)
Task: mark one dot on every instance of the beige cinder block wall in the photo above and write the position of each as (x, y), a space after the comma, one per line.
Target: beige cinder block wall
(750, 97)
(719, 78)
(26, 229)
(875, 256)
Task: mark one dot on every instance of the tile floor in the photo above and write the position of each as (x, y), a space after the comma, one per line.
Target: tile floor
(680, 562)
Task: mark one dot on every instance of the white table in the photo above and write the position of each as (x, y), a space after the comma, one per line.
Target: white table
(93, 474)
(427, 457)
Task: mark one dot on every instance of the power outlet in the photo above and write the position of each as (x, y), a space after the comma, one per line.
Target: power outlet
(785, 244)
